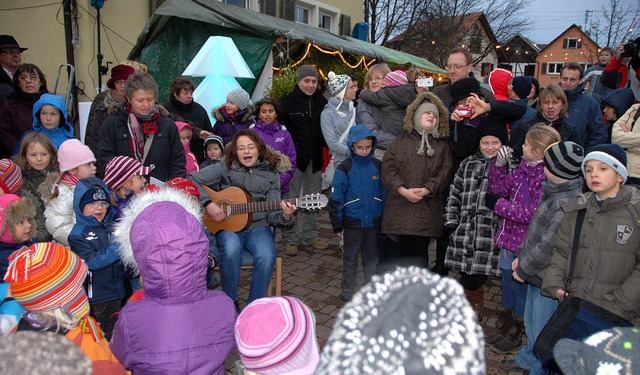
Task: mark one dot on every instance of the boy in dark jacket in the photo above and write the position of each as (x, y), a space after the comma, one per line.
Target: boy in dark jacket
(90, 238)
(356, 205)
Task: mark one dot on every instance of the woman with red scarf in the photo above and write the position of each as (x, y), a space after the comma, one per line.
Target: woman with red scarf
(142, 131)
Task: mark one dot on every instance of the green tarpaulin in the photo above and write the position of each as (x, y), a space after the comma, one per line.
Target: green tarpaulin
(178, 29)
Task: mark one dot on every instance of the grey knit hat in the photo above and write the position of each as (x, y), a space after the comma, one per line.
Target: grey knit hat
(34, 352)
(240, 98)
(417, 126)
(338, 84)
(612, 351)
(306, 71)
(410, 321)
(564, 159)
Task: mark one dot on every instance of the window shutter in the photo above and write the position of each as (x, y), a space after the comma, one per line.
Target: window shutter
(579, 44)
(544, 68)
(345, 25)
(565, 43)
(268, 7)
(288, 10)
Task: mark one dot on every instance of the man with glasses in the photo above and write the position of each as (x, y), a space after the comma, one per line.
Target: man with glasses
(459, 65)
(10, 59)
(584, 112)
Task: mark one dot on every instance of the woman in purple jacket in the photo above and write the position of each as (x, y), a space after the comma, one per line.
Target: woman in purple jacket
(178, 327)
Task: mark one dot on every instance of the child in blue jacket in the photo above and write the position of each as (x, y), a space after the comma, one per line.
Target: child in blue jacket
(90, 238)
(355, 207)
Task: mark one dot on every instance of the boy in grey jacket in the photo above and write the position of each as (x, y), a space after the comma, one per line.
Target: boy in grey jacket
(564, 183)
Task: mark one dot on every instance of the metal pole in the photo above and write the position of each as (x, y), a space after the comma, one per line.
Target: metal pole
(99, 50)
(68, 36)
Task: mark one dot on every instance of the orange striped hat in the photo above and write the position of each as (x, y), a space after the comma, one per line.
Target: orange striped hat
(45, 276)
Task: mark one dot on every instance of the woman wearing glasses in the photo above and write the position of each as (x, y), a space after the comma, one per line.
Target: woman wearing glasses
(251, 166)
(16, 117)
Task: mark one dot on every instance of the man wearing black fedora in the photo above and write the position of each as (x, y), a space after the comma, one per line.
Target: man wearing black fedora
(10, 59)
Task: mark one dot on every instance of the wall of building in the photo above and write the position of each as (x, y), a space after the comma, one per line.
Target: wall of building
(553, 56)
(41, 29)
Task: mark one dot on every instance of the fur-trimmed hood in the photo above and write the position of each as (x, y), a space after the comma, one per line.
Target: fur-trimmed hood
(443, 113)
(284, 163)
(220, 114)
(14, 210)
(161, 236)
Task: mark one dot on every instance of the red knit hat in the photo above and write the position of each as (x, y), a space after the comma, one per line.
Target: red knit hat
(121, 168)
(119, 72)
(10, 177)
(184, 185)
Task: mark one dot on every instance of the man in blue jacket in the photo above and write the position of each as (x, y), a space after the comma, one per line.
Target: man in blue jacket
(584, 112)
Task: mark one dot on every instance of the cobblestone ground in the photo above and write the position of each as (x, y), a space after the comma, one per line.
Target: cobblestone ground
(314, 276)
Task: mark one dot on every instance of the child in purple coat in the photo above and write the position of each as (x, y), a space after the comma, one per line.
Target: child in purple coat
(235, 115)
(514, 196)
(178, 327)
(275, 136)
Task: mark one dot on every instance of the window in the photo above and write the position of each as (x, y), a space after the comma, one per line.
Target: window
(572, 43)
(475, 41)
(554, 68)
(302, 15)
(238, 3)
(324, 21)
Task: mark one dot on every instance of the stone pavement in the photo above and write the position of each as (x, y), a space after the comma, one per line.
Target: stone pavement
(314, 276)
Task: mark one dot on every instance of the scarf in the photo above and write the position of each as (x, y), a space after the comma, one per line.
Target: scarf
(69, 180)
(137, 133)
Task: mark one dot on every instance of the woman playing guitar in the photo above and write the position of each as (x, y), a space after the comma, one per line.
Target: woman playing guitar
(249, 165)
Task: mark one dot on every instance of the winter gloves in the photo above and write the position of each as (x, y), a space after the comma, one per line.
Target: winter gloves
(504, 155)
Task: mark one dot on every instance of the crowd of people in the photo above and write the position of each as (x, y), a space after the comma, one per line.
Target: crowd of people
(496, 174)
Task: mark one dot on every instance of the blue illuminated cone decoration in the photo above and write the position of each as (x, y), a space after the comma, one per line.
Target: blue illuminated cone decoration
(219, 61)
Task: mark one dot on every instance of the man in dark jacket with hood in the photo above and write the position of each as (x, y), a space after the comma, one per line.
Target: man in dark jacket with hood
(615, 104)
(301, 115)
(584, 112)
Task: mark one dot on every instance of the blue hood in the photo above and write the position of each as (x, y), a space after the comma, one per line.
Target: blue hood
(56, 102)
(620, 100)
(359, 132)
(81, 187)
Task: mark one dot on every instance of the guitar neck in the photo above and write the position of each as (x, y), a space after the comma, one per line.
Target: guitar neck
(246, 208)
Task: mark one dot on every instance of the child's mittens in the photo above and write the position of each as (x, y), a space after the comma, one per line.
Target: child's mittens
(490, 200)
(504, 155)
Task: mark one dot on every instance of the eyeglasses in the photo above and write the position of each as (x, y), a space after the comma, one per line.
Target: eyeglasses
(242, 148)
(455, 67)
(362, 148)
(11, 51)
(99, 204)
(371, 79)
(27, 78)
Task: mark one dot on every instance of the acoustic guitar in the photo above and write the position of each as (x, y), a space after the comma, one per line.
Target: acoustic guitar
(238, 207)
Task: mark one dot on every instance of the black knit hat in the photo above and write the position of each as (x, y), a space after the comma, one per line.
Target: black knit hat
(564, 160)
(463, 88)
(490, 125)
(522, 86)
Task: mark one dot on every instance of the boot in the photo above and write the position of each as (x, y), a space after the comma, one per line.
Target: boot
(512, 341)
(476, 299)
(504, 324)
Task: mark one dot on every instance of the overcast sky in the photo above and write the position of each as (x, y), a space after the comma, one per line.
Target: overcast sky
(552, 17)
